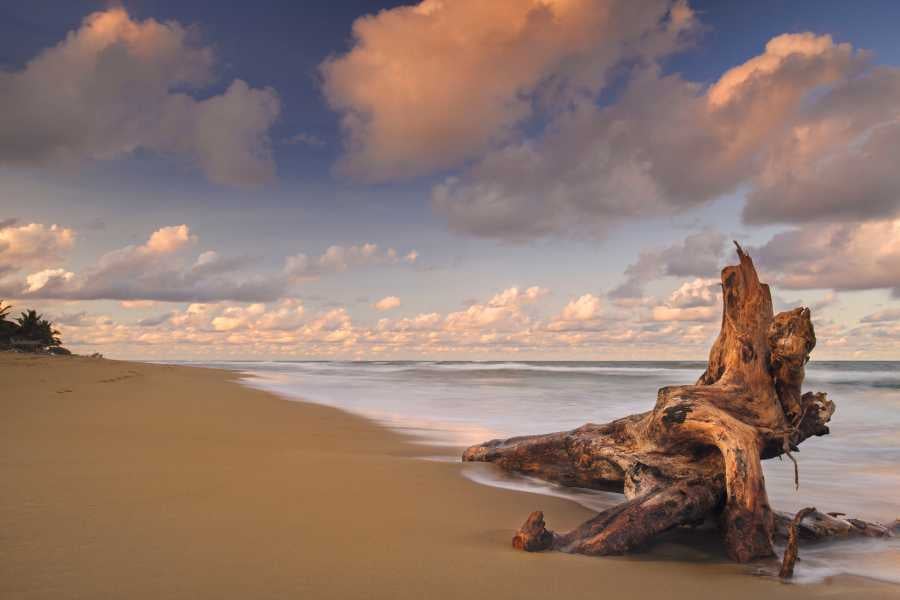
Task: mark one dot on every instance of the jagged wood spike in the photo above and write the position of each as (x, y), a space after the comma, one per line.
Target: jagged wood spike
(790, 552)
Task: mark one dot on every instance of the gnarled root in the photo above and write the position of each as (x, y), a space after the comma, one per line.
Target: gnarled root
(533, 536)
(790, 553)
(818, 526)
(632, 524)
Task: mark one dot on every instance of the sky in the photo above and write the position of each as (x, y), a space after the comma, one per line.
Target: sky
(515, 179)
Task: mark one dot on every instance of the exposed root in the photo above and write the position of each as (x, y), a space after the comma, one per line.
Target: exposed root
(790, 553)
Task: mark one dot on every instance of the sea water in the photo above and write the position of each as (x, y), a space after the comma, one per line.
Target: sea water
(855, 469)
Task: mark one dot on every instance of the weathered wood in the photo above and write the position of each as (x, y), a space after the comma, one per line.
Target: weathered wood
(820, 526)
(790, 552)
(698, 453)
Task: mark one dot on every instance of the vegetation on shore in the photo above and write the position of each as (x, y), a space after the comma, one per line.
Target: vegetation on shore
(29, 332)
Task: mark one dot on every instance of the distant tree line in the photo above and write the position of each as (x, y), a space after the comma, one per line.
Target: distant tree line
(29, 332)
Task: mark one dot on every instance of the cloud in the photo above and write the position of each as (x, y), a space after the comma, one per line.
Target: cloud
(696, 300)
(855, 256)
(162, 269)
(36, 281)
(758, 72)
(584, 308)
(167, 240)
(696, 293)
(694, 313)
(426, 87)
(33, 245)
(834, 162)
(157, 270)
(580, 316)
(154, 321)
(882, 316)
(306, 139)
(699, 255)
(512, 321)
(77, 318)
(387, 303)
(217, 326)
(137, 304)
(116, 85)
(807, 128)
(337, 259)
(503, 319)
(502, 311)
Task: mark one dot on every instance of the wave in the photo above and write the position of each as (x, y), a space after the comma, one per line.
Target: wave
(846, 374)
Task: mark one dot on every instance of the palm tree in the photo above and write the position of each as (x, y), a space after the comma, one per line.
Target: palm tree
(7, 327)
(35, 328)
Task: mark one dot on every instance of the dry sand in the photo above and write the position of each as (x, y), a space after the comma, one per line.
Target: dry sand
(128, 480)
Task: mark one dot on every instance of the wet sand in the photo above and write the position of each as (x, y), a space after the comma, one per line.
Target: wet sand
(129, 480)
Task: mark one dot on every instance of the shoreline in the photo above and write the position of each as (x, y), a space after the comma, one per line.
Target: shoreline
(139, 480)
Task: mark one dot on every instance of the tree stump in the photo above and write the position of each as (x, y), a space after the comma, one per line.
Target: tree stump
(698, 453)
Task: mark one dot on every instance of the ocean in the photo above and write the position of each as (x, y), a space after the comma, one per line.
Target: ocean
(855, 469)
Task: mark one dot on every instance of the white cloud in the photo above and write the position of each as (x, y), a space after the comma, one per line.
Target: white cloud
(387, 303)
(337, 259)
(36, 281)
(167, 240)
(699, 292)
(696, 300)
(584, 308)
(503, 310)
(161, 269)
(694, 313)
(508, 323)
(215, 326)
(137, 304)
(155, 270)
(33, 245)
(514, 296)
(116, 85)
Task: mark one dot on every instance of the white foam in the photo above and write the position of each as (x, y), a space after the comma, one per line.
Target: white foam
(486, 474)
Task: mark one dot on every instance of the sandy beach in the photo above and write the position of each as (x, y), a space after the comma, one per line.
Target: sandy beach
(131, 480)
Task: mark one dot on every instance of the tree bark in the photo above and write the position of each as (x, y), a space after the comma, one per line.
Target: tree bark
(698, 453)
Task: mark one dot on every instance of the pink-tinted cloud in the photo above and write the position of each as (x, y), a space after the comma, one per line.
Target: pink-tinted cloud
(115, 85)
(33, 245)
(428, 86)
(699, 255)
(808, 127)
(512, 321)
(161, 269)
(882, 316)
(838, 256)
(583, 308)
(337, 259)
(387, 303)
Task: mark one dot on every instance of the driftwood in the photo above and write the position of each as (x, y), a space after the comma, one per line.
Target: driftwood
(790, 552)
(697, 454)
